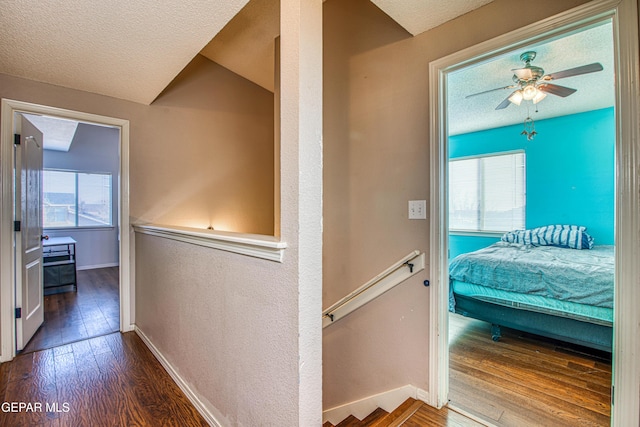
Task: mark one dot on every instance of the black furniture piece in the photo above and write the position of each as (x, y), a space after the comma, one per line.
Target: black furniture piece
(59, 265)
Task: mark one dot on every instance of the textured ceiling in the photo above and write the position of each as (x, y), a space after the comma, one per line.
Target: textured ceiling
(417, 16)
(594, 90)
(121, 48)
(133, 49)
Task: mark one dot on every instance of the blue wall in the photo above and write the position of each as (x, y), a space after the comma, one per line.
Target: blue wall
(570, 172)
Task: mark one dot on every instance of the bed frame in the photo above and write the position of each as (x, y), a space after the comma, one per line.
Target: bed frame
(556, 327)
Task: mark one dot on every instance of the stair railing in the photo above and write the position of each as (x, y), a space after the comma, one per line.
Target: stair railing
(388, 279)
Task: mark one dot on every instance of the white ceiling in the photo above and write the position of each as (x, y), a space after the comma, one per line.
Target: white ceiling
(133, 49)
(418, 16)
(120, 48)
(594, 91)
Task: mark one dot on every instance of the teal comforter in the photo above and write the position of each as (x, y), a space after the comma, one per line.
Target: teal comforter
(582, 276)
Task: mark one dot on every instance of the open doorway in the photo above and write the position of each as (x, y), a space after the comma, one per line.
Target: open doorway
(80, 203)
(73, 223)
(625, 404)
(527, 169)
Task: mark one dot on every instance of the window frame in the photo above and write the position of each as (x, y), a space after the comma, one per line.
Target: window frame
(481, 194)
(76, 174)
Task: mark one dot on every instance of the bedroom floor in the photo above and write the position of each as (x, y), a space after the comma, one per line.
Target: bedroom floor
(92, 311)
(524, 380)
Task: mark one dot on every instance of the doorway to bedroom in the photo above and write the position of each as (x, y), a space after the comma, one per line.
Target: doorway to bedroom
(89, 211)
(79, 206)
(531, 206)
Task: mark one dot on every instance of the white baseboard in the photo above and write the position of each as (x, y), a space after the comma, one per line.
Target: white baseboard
(191, 395)
(91, 267)
(388, 400)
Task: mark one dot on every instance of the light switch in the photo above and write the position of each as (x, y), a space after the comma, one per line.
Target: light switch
(417, 209)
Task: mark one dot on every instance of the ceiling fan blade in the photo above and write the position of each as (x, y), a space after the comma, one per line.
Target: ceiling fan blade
(490, 90)
(523, 73)
(504, 104)
(584, 69)
(556, 90)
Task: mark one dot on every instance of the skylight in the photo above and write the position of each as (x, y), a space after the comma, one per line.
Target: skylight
(58, 133)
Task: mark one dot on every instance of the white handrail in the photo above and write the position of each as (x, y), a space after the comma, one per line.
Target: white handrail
(389, 278)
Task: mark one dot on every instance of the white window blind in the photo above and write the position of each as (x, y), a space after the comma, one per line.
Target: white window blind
(487, 193)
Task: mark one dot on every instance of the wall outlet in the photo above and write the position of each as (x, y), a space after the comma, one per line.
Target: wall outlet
(417, 209)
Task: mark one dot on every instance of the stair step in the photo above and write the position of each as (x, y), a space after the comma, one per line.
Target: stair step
(401, 414)
(350, 421)
(382, 418)
(374, 417)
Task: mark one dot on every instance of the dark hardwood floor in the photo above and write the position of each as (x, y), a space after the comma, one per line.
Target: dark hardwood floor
(92, 311)
(111, 380)
(524, 380)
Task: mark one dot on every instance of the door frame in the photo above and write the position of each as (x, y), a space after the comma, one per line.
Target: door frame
(625, 409)
(7, 255)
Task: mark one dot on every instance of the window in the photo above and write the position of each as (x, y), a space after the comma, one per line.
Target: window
(75, 199)
(487, 193)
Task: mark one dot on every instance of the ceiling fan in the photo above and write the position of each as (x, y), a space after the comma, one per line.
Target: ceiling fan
(532, 84)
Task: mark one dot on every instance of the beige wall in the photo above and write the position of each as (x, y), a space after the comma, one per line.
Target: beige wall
(204, 151)
(376, 148)
(246, 332)
(201, 153)
(226, 323)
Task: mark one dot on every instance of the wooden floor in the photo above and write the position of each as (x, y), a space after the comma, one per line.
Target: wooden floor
(428, 416)
(112, 380)
(92, 311)
(522, 381)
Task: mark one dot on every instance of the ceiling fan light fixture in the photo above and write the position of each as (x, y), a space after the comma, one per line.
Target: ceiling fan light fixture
(529, 92)
(539, 96)
(516, 97)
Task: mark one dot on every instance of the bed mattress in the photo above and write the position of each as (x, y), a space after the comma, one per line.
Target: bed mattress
(584, 277)
(587, 313)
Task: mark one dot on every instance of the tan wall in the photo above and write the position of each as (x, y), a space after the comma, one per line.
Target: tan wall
(204, 149)
(201, 153)
(227, 323)
(376, 159)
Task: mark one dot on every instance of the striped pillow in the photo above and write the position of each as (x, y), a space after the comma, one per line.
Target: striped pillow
(564, 236)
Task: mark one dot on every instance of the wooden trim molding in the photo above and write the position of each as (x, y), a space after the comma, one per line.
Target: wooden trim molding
(255, 245)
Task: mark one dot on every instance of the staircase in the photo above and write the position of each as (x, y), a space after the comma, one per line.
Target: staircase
(382, 418)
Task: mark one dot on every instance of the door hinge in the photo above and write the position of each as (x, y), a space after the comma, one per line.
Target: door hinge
(18, 313)
(16, 225)
(613, 389)
(16, 138)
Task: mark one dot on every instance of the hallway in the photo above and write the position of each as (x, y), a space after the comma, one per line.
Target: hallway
(111, 380)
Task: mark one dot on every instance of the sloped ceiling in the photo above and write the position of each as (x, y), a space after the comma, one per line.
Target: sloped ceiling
(133, 49)
(418, 16)
(246, 45)
(120, 48)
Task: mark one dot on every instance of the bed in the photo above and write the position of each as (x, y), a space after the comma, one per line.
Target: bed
(539, 287)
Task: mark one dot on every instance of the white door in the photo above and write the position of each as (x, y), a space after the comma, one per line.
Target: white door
(29, 289)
